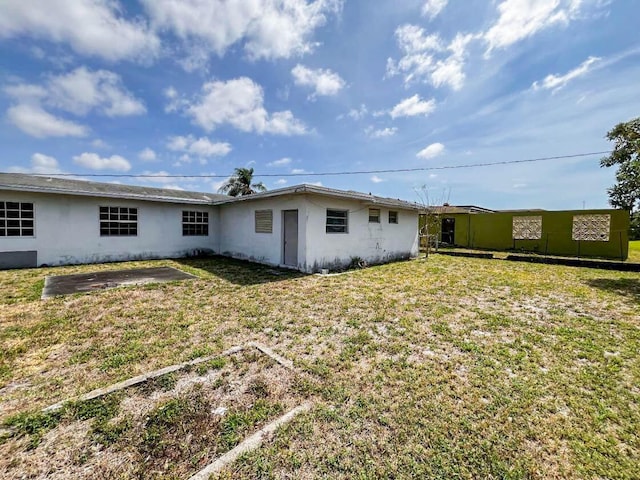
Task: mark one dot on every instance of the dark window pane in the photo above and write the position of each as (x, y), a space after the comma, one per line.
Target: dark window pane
(27, 214)
(13, 223)
(26, 207)
(13, 205)
(13, 232)
(13, 214)
(27, 232)
(27, 223)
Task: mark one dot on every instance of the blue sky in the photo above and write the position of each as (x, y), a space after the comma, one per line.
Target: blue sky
(196, 87)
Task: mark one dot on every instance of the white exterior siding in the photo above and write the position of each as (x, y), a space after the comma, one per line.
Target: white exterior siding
(67, 230)
(238, 238)
(372, 242)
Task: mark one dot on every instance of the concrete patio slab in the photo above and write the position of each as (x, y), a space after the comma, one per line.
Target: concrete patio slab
(88, 282)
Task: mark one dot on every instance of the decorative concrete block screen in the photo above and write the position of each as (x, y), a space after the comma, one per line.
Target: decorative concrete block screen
(527, 228)
(591, 228)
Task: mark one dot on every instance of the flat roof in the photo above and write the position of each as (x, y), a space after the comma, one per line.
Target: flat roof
(329, 192)
(51, 184)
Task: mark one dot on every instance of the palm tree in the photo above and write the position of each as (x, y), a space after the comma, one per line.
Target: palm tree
(239, 184)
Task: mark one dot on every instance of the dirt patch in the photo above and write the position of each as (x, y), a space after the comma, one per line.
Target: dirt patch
(89, 282)
(170, 426)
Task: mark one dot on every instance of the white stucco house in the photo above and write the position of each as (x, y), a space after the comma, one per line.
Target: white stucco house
(57, 221)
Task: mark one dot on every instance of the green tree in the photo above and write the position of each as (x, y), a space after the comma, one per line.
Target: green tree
(626, 155)
(241, 183)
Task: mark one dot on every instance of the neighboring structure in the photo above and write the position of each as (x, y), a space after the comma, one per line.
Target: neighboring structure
(585, 233)
(53, 221)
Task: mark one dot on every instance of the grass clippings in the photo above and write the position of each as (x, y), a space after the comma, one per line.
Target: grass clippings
(441, 368)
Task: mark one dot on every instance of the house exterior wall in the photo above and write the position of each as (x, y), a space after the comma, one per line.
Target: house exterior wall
(493, 231)
(372, 242)
(238, 238)
(67, 230)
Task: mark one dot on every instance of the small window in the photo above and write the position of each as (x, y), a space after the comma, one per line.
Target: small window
(337, 221)
(264, 221)
(393, 217)
(195, 224)
(118, 222)
(16, 219)
(374, 215)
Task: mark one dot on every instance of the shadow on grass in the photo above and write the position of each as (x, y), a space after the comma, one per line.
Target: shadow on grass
(239, 272)
(628, 287)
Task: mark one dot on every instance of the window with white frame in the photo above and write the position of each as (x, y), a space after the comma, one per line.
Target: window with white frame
(264, 221)
(118, 221)
(337, 221)
(16, 219)
(393, 216)
(374, 215)
(195, 223)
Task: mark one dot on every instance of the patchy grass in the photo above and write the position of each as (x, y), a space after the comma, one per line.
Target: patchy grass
(158, 429)
(634, 251)
(446, 368)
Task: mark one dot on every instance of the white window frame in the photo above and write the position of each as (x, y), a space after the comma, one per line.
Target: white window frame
(374, 216)
(197, 221)
(114, 219)
(21, 219)
(334, 225)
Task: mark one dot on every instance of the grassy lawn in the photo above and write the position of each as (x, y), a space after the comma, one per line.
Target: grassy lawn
(446, 368)
(634, 251)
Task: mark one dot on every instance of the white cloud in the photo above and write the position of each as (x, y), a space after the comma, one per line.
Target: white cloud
(83, 90)
(40, 163)
(371, 132)
(432, 151)
(93, 161)
(519, 19)
(377, 179)
(240, 103)
(201, 147)
(323, 82)
(556, 82)
(89, 27)
(279, 163)
(159, 177)
(147, 155)
(426, 58)
(77, 92)
(35, 121)
(298, 171)
(315, 184)
(432, 8)
(267, 29)
(281, 181)
(358, 113)
(98, 143)
(412, 106)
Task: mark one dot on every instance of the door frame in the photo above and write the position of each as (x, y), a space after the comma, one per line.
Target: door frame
(284, 237)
